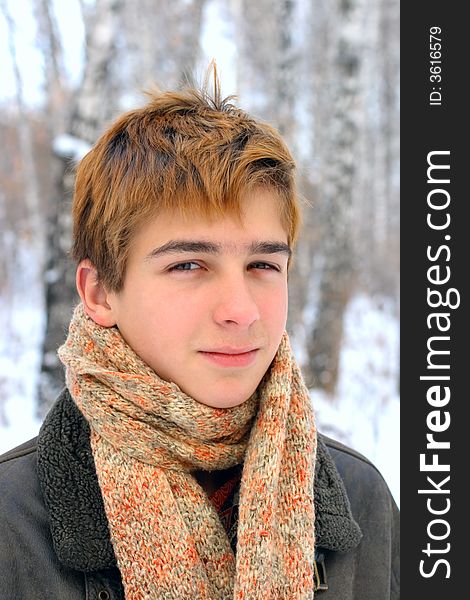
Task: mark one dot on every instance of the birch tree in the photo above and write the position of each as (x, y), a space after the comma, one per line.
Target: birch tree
(336, 195)
(161, 43)
(91, 107)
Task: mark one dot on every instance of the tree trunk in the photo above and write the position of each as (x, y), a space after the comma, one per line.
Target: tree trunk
(90, 110)
(337, 276)
(161, 41)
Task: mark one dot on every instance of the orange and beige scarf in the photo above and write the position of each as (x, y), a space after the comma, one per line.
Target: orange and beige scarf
(147, 436)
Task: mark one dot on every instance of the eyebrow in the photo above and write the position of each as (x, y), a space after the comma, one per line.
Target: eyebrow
(205, 247)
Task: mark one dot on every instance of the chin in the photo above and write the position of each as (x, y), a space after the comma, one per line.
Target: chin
(233, 389)
(225, 403)
(224, 399)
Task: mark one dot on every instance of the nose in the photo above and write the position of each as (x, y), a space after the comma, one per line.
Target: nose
(234, 303)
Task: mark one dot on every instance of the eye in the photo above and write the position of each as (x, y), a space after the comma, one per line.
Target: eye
(265, 266)
(185, 266)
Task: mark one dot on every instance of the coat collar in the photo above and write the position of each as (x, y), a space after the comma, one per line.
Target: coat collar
(76, 511)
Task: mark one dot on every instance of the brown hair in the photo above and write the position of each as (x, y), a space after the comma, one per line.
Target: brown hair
(188, 151)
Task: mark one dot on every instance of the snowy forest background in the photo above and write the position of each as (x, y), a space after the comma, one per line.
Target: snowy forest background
(325, 72)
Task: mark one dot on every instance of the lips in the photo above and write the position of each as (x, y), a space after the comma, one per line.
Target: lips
(231, 357)
(231, 349)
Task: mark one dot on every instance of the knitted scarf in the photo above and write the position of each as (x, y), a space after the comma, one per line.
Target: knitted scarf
(146, 438)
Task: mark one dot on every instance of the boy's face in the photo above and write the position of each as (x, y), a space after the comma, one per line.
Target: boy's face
(204, 304)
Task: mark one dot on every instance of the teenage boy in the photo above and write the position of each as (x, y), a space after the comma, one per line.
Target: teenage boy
(182, 461)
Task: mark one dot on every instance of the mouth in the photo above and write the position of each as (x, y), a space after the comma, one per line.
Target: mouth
(231, 357)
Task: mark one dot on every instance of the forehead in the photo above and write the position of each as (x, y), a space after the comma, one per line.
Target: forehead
(260, 220)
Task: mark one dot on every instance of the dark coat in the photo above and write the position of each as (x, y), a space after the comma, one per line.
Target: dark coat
(54, 537)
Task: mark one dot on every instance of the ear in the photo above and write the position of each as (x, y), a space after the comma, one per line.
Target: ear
(93, 294)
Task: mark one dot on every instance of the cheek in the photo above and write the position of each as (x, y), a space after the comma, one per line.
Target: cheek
(273, 307)
(171, 317)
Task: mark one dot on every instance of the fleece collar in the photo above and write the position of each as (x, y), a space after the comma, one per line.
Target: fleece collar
(76, 511)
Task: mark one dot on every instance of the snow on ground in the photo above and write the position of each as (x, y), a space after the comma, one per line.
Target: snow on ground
(364, 414)
(19, 368)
